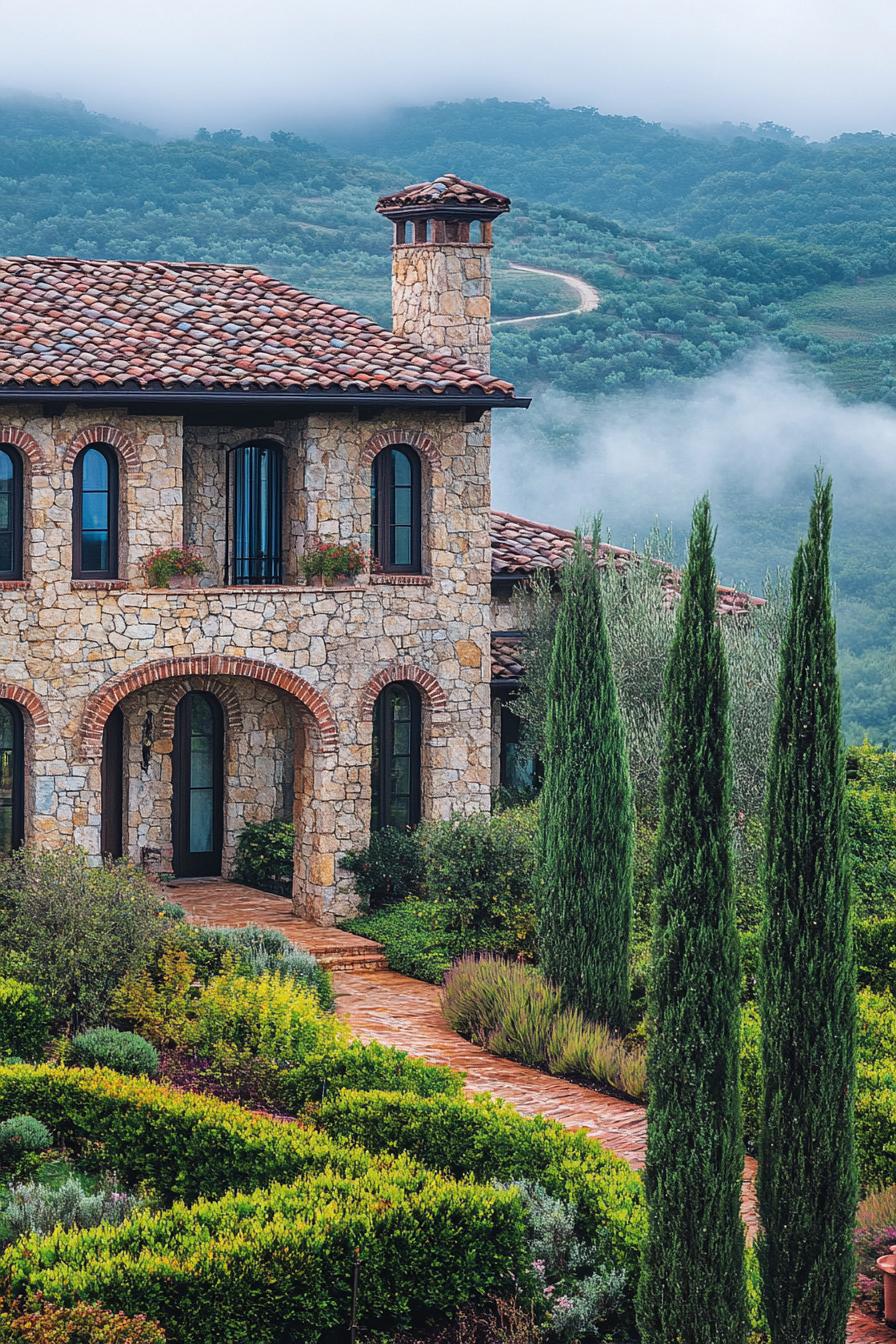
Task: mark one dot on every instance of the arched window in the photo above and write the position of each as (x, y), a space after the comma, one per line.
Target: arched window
(395, 510)
(12, 777)
(10, 514)
(254, 494)
(396, 757)
(95, 531)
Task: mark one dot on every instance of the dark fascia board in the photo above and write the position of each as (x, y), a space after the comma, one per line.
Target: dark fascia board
(505, 685)
(296, 402)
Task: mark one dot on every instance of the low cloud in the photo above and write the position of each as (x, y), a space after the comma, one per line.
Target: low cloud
(751, 435)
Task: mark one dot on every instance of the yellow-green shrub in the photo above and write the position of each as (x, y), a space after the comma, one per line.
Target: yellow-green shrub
(277, 1264)
(364, 1068)
(269, 1018)
(183, 1144)
(487, 1139)
(24, 1019)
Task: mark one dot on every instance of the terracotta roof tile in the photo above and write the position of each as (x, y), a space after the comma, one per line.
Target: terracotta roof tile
(447, 190)
(506, 657)
(520, 547)
(65, 322)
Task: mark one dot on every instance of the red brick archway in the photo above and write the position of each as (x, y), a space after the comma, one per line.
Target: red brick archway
(115, 438)
(425, 681)
(415, 439)
(29, 701)
(101, 703)
(26, 445)
(223, 691)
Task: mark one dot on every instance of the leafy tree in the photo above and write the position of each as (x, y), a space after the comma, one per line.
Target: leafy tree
(692, 1283)
(807, 1177)
(586, 821)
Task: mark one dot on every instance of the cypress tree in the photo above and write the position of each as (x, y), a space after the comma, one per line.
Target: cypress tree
(586, 819)
(807, 1180)
(691, 1289)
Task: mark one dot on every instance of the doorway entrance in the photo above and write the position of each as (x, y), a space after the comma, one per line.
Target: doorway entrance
(198, 779)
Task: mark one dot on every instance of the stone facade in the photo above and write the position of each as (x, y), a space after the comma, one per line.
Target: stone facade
(292, 664)
(441, 298)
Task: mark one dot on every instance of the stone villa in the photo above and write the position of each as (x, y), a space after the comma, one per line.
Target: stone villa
(147, 405)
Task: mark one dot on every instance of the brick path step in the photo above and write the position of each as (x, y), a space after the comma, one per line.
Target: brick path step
(384, 1006)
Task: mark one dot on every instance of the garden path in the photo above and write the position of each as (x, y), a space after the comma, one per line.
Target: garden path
(384, 1006)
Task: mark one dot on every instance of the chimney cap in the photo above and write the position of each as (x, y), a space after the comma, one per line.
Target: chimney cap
(447, 196)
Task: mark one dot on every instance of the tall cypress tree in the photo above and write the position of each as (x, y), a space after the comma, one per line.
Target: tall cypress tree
(807, 1180)
(691, 1289)
(586, 817)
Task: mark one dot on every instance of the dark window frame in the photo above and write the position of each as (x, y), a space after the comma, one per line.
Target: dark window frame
(382, 509)
(112, 492)
(112, 787)
(17, 828)
(383, 755)
(263, 568)
(17, 507)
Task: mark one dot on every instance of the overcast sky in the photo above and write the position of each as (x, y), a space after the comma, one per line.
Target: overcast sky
(819, 66)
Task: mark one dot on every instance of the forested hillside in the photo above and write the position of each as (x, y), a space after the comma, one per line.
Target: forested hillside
(702, 247)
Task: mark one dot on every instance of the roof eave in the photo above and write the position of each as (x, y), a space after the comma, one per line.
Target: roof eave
(284, 398)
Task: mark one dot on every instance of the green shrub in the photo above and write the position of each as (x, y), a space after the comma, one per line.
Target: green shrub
(482, 871)
(270, 1020)
(511, 1010)
(32, 1207)
(871, 817)
(415, 938)
(264, 856)
(489, 1140)
(258, 950)
(389, 869)
(277, 1264)
(83, 1323)
(875, 940)
(24, 1021)
(365, 1068)
(76, 928)
(22, 1140)
(109, 1048)
(182, 1144)
(750, 1074)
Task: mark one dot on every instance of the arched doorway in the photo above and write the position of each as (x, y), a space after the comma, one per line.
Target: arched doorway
(395, 761)
(112, 787)
(198, 778)
(12, 777)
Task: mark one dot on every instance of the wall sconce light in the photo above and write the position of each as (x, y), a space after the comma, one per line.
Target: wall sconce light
(147, 738)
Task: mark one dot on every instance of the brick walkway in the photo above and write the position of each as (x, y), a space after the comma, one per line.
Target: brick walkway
(396, 1010)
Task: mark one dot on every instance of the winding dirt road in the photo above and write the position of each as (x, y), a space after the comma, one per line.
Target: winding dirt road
(587, 295)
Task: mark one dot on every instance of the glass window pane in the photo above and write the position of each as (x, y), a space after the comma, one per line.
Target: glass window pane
(6, 815)
(7, 779)
(5, 505)
(6, 552)
(95, 470)
(401, 777)
(402, 506)
(6, 467)
(94, 552)
(201, 821)
(400, 812)
(401, 705)
(401, 545)
(95, 511)
(401, 739)
(401, 467)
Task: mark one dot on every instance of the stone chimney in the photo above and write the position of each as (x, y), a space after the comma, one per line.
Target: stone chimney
(442, 266)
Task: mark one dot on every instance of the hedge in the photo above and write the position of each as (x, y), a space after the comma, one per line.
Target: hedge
(487, 1139)
(364, 1068)
(24, 1020)
(277, 1264)
(184, 1144)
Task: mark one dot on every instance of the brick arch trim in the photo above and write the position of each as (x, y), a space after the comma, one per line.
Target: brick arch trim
(423, 680)
(223, 692)
(102, 434)
(417, 439)
(29, 700)
(27, 446)
(103, 700)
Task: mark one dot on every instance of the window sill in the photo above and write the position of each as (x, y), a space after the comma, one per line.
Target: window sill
(409, 580)
(88, 584)
(14, 585)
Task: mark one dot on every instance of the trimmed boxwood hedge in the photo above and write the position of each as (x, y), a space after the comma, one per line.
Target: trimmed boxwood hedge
(277, 1264)
(487, 1139)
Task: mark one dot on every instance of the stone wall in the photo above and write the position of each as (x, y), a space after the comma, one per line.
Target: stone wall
(441, 298)
(68, 641)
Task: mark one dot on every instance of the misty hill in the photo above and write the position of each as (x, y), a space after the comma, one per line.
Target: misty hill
(702, 247)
